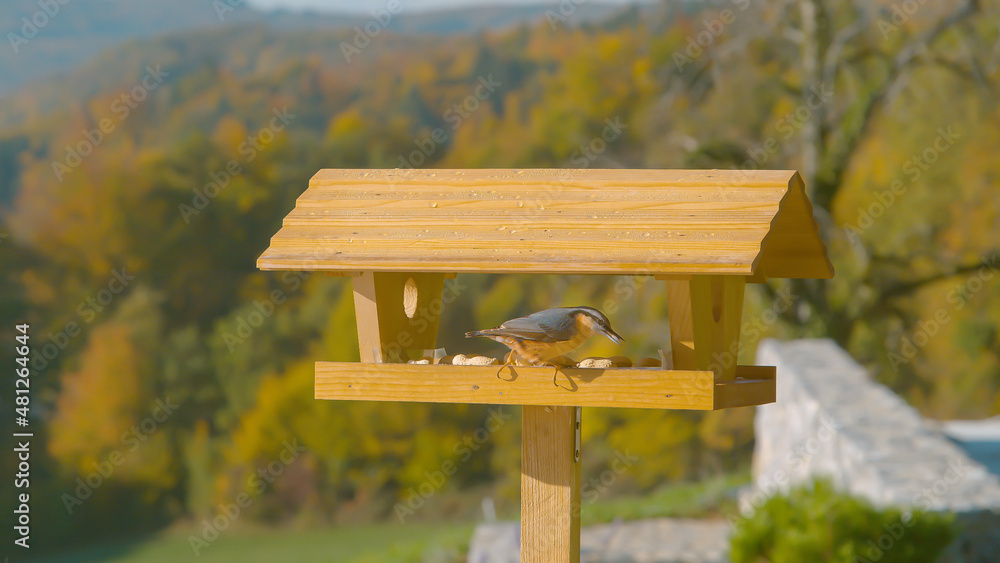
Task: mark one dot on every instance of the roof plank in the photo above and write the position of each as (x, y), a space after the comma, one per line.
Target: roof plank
(553, 221)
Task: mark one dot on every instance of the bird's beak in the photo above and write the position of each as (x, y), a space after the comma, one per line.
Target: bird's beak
(612, 335)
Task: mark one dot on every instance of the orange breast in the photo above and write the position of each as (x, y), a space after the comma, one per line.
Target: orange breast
(544, 351)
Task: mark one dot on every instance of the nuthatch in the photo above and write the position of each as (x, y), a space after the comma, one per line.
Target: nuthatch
(542, 336)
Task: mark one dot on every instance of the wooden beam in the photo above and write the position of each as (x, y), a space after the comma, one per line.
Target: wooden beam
(717, 313)
(550, 486)
(614, 387)
(756, 388)
(366, 315)
(352, 274)
(385, 331)
(681, 327)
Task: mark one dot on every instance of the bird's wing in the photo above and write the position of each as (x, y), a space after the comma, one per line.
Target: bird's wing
(539, 326)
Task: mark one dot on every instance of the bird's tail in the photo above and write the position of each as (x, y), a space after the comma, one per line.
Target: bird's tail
(475, 333)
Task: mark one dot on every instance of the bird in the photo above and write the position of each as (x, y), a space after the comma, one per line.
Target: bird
(540, 337)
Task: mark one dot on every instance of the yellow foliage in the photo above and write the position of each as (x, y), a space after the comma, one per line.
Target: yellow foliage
(348, 123)
(98, 401)
(229, 133)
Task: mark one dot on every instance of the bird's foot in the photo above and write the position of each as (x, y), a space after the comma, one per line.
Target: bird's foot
(507, 361)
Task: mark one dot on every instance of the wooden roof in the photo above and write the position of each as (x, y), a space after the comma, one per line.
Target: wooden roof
(677, 222)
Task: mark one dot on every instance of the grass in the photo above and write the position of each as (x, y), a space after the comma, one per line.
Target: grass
(375, 543)
(423, 542)
(712, 497)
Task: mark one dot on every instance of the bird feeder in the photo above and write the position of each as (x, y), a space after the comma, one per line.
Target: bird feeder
(400, 234)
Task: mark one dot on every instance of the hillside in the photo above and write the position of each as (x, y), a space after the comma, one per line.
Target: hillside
(141, 188)
(77, 31)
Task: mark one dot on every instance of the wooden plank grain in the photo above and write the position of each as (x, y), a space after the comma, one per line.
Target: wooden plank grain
(756, 386)
(551, 221)
(617, 387)
(681, 323)
(550, 486)
(717, 312)
(385, 332)
(512, 243)
(591, 176)
(539, 265)
(526, 196)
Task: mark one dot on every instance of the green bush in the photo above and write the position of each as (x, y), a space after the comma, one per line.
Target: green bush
(816, 523)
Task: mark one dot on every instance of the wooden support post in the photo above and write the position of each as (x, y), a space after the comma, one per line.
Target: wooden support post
(717, 313)
(550, 486)
(681, 327)
(395, 314)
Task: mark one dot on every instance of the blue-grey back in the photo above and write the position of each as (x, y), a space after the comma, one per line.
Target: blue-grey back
(550, 325)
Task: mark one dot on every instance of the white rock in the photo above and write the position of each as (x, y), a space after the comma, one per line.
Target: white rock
(832, 420)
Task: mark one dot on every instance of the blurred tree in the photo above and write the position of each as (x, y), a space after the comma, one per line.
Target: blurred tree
(847, 92)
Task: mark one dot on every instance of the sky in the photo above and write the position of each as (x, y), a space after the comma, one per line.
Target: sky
(366, 5)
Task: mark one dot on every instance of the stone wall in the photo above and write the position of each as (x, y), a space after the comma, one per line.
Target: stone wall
(657, 540)
(831, 419)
